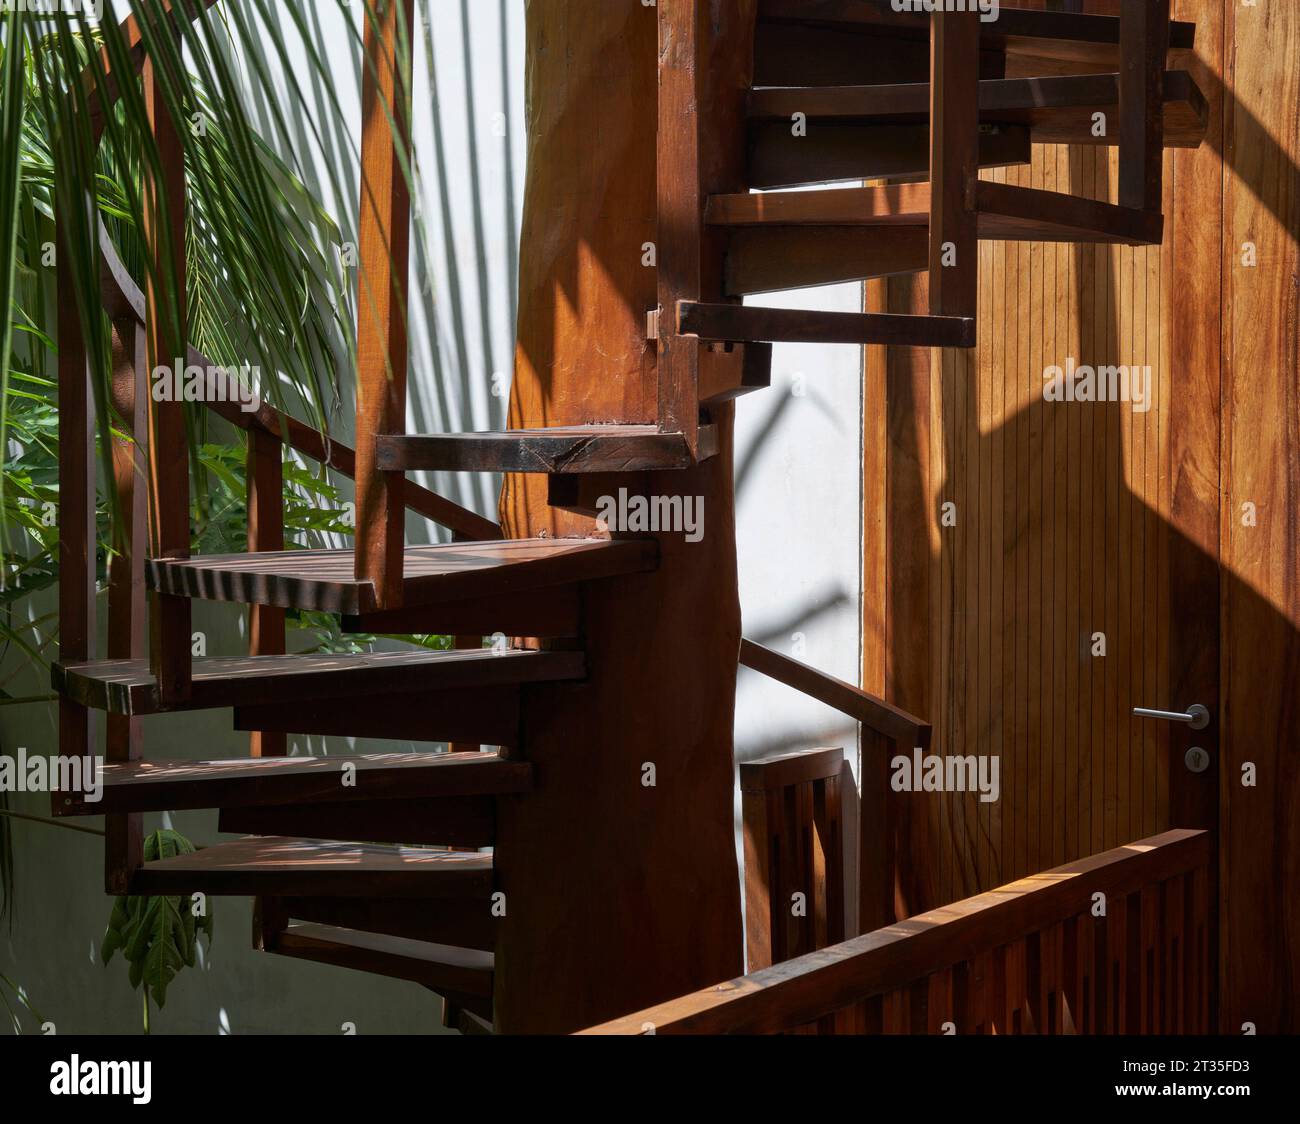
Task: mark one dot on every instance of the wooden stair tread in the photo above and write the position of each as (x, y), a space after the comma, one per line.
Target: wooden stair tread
(1057, 109)
(1006, 212)
(324, 580)
(129, 686)
(463, 972)
(1018, 31)
(140, 786)
(286, 867)
(736, 323)
(566, 449)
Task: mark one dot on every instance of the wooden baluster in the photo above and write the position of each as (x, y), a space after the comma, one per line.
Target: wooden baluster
(1143, 46)
(876, 834)
(384, 256)
(127, 594)
(679, 241)
(760, 928)
(76, 508)
(164, 198)
(829, 828)
(265, 475)
(954, 163)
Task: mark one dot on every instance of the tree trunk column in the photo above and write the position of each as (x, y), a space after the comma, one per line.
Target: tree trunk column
(619, 869)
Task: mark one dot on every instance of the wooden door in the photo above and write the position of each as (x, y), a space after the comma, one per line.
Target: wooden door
(1046, 566)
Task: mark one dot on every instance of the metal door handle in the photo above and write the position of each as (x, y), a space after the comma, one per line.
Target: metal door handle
(1196, 716)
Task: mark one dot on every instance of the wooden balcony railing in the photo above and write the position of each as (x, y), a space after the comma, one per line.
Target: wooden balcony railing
(1116, 943)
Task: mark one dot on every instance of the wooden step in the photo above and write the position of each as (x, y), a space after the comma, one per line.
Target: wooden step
(1083, 39)
(145, 786)
(572, 449)
(288, 867)
(1056, 110)
(323, 580)
(1006, 213)
(129, 687)
(769, 259)
(462, 974)
(744, 323)
(439, 821)
(463, 922)
(835, 153)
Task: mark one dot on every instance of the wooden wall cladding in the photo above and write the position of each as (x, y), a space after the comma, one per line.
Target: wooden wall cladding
(1260, 863)
(1080, 519)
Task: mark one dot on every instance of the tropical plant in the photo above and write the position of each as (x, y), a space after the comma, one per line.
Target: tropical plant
(266, 283)
(158, 936)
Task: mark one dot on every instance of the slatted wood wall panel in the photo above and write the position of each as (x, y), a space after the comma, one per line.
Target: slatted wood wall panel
(1261, 456)
(1057, 537)
(1062, 532)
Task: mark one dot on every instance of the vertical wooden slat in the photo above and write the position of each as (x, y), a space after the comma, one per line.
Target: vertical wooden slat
(384, 256)
(1144, 43)
(828, 822)
(127, 595)
(76, 509)
(876, 835)
(954, 162)
(680, 208)
(758, 854)
(166, 339)
(265, 473)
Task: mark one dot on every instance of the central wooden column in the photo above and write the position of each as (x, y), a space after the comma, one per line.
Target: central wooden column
(619, 870)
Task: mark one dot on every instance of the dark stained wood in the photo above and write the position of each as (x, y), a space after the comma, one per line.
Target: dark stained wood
(291, 867)
(877, 833)
(127, 594)
(793, 54)
(1006, 212)
(479, 715)
(123, 298)
(1144, 43)
(444, 968)
(798, 766)
(323, 580)
(464, 923)
(773, 259)
(265, 474)
(793, 837)
(384, 256)
(718, 384)
(550, 612)
(802, 990)
(440, 821)
(1055, 109)
(1087, 38)
(835, 152)
(127, 687)
(165, 345)
(954, 163)
(594, 448)
(876, 714)
(589, 210)
(749, 323)
(154, 785)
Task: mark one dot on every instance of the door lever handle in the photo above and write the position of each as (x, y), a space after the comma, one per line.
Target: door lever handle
(1196, 716)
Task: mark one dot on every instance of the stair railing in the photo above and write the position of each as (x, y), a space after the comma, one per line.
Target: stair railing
(1116, 943)
(887, 731)
(154, 521)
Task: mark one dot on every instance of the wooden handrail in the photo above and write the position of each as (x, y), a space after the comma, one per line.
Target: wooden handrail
(122, 297)
(803, 990)
(893, 722)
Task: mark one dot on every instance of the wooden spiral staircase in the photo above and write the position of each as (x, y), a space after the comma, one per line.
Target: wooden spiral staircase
(778, 100)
